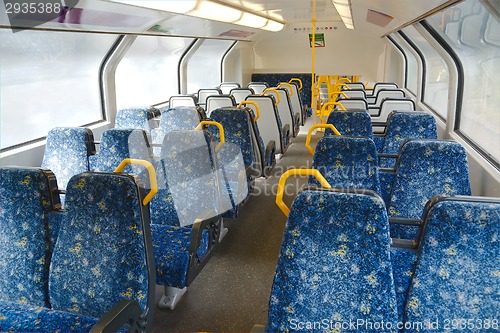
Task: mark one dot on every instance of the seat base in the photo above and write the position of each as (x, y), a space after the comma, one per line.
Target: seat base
(171, 297)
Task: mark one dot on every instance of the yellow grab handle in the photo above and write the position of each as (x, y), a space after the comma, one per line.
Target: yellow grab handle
(257, 109)
(316, 126)
(289, 85)
(278, 98)
(296, 79)
(326, 105)
(152, 176)
(339, 93)
(221, 131)
(344, 79)
(296, 172)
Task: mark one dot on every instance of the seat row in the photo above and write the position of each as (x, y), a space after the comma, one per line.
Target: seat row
(200, 182)
(386, 98)
(338, 265)
(89, 267)
(401, 126)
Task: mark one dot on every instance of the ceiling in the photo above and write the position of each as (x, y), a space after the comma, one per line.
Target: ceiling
(300, 11)
(108, 16)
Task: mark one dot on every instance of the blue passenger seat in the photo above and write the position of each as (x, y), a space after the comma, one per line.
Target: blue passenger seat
(173, 119)
(119, 144)
(347, 162)
(379, 120)
(27, 197)
(402, 126)
(238, 130)
(67, 153)
(456, 276)
(334, 265)
(135, 118)
(426, 168)
(350, 123)
(185, 214)
(101, 266)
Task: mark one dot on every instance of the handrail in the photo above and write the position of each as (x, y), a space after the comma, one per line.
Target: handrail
(278, 98)
(316, 126)
(296, 79)
(339, 93)
(221, 131)
(152, 176)
(296, 172)
(327, 104)
(289, 85)
(255, 104)
(344, 79)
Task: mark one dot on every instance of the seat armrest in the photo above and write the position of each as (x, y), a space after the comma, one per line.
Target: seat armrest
(211, 222)
(125, 312)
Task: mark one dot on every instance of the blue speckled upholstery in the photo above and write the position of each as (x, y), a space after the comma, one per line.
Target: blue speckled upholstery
(350, 123)
(379, 142)
(403, 267)
(135, 118)
(186, 178)
(119, 144)
(187, 189)
(402, 126)
(25, 252)
(334, 264)
(237, 130)
(28, 318)
(274, 79)
(171, 251)
(426, 168)
(100, 257)
(387, 178)
(347, 162)
(457, 272)
(174, 119)
(67, 151)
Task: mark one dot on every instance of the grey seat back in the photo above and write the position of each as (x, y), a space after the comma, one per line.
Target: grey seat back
(269, 122)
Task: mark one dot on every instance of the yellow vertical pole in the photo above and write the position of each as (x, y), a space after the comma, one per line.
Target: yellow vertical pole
(313, 74)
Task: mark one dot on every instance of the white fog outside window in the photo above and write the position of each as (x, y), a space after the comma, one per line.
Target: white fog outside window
(48, 79)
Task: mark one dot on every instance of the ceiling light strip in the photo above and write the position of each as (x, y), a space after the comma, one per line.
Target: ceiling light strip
(212, 10)
(344, 9)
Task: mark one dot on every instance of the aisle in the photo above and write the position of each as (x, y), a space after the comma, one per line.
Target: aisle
(232, 291)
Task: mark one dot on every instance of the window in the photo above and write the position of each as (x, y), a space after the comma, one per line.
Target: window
(474, 35)
(48, 79)
(437, 79)
(148, 73)
(204, 66)
(411, 75)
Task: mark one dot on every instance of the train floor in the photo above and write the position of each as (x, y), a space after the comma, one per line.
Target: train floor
(231, 294)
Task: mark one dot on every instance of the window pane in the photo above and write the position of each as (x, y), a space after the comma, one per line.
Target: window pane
(474, 34)
(437, 80)
(48, 79)
(411, 66)
(148, 73)
(203, 68)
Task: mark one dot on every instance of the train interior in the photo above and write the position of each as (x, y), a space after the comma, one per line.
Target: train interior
(250, 165)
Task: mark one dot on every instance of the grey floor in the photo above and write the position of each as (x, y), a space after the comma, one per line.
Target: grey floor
(232, 292)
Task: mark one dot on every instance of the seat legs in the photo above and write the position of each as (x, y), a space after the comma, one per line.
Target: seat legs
(171, 297)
